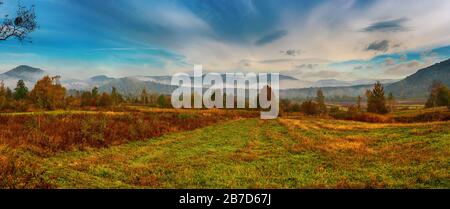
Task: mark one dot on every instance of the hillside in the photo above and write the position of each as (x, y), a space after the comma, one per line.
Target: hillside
(132, 86)
(418, 84)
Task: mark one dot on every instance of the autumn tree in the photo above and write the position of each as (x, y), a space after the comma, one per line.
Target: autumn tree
(3, 97)
(310, 108)
(18, 26)
(48, 94)
(21, 91)
(439, 95)
(376, 101)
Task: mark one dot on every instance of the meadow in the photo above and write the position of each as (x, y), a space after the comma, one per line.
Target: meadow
(165, 148)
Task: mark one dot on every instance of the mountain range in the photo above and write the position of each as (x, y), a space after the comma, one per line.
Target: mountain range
(414, 86)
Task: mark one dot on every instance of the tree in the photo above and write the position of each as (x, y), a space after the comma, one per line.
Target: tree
(310, 108)
(162, 101)
(21, 91)
(94, 96)
(320, 99)
(3, 99)
(439, 95)
(48, 94)
(19, 26)
(376, 102)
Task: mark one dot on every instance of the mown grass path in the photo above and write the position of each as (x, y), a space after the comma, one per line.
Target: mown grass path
(251, 153)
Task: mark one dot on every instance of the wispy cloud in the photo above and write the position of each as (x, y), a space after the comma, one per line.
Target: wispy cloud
(396, 25)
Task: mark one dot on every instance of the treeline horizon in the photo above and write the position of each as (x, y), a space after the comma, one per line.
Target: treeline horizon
(49, 94)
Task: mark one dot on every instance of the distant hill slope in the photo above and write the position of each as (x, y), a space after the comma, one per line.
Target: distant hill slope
(134, 87)
(23, 72)
(417, 85)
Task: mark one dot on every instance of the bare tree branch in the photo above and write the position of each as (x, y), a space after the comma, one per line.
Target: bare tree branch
(19, 26)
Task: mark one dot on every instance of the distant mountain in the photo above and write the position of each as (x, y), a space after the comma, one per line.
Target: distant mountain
(330, 83)
(414, 86)
(418, 84)
(133, 86)
(101, 78)
(23, 72)
(373, 81)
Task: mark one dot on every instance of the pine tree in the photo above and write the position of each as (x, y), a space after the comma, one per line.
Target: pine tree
(21, 91)
(376, 102)
(162, 101)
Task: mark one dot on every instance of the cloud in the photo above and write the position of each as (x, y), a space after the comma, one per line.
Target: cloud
(291, 52)
(267, 39)
(381, 46)
(387, 26)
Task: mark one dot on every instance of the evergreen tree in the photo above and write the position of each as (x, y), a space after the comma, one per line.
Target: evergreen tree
(376, 102)
(21, 91)
(162, 101)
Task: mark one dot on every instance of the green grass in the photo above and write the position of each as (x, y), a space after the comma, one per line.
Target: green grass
(252, 153)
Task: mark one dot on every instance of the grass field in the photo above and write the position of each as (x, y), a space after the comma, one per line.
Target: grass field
(296, 152)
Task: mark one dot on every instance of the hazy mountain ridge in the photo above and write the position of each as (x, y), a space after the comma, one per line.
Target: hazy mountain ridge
(414, 86)
(418, 84)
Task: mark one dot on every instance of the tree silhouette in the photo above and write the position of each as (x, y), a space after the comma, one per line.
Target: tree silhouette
(376, 102)
(20, 25)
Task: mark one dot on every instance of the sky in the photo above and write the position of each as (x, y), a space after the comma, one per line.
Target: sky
(310, 40)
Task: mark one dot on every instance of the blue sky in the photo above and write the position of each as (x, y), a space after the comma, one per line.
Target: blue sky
(311, 40)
